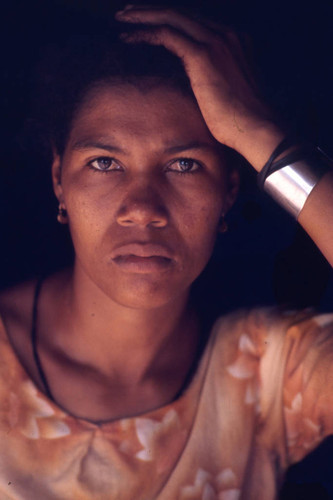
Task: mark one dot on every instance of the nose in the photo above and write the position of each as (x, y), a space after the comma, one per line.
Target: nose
(142, 206)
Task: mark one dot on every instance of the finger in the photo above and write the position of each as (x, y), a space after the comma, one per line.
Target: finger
(169, 17)
(207, 24)
(179, 43)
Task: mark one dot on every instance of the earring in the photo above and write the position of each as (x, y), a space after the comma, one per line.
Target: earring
(223, 226)
(62, 214)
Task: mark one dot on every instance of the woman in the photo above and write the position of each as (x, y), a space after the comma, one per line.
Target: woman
(112, 385)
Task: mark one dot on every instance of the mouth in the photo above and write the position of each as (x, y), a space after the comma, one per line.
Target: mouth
(134, 263)
(143, 257)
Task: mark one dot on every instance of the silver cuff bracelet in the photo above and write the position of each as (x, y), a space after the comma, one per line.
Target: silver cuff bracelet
(291, 184)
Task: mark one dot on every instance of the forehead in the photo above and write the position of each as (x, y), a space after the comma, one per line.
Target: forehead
(154, 117)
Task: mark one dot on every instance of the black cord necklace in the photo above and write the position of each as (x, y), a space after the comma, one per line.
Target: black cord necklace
(34, 340)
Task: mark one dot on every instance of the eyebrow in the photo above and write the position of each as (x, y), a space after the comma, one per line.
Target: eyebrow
(97, 144)
(191, 145)
(91, 144)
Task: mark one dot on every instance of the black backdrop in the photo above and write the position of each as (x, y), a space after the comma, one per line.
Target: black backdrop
(265, 257)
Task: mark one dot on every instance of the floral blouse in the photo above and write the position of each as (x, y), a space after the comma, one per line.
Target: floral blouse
(262, 398)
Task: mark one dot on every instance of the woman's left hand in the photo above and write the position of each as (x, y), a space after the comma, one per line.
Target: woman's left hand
(220, 77)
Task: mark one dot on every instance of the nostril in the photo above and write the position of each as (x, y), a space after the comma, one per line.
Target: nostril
(142, 222)
(157, 223)
(126, 222)
(143, 212)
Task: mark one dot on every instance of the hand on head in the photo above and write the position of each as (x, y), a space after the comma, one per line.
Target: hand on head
(220, 75)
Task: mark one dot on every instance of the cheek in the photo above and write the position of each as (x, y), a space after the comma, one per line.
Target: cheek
(200, 225)
(194, 209)
(88, 213)
(204, 206)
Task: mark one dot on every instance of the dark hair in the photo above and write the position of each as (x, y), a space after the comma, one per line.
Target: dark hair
(67, 73)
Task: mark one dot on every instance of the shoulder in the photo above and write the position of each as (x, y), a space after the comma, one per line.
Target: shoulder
(283, 357)
(261, 326)
(270, 343)
(16, 304)
(250, 329)
(16, 315)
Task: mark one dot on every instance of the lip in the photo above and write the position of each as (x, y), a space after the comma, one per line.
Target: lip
(142, 257)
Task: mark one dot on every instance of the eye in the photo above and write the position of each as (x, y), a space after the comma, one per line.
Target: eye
(104, 164)
(184, 165)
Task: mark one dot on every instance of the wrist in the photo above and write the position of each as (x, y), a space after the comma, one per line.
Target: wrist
(291, 179)
(257, 142)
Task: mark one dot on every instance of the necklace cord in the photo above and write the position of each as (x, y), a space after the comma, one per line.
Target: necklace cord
(34, 342)
(34, 339)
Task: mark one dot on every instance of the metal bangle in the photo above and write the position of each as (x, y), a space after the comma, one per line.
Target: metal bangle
(291, 185)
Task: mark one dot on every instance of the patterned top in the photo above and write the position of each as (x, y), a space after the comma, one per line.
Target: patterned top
(262, 397)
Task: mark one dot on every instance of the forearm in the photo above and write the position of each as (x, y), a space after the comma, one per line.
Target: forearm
(316, 216)
(229, 100)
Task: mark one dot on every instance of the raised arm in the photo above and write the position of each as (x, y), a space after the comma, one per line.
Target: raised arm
(229, 100)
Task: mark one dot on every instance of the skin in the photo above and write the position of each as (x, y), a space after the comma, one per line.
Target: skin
(139, 310)
(144, 197)
(228, 98)
(138, 313)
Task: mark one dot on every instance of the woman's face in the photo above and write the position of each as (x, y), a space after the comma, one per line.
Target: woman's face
(144, 185)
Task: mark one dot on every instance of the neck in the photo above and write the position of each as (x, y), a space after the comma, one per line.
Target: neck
(124, 343)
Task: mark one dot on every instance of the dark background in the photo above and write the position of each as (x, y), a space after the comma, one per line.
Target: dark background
(265, 257)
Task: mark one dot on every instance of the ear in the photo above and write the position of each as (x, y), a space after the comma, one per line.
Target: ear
(233, 180)
(56, 177)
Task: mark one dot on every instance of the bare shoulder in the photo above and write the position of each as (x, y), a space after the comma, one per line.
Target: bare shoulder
(16, 311)
(16, 304)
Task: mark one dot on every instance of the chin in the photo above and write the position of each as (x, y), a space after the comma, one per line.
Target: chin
(146, 294)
